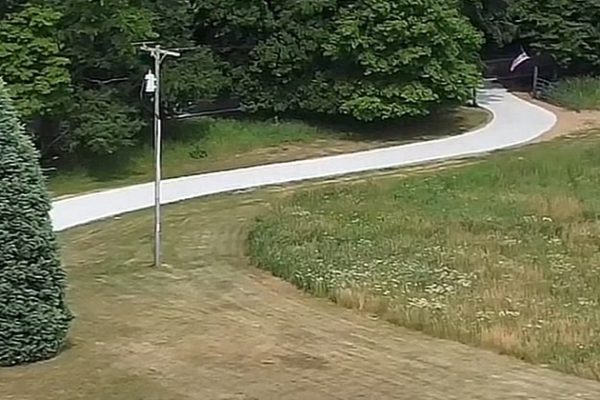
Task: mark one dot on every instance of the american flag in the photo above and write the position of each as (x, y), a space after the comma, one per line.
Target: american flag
(520, 59)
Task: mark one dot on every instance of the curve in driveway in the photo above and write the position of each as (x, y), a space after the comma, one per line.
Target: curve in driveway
(514, 122)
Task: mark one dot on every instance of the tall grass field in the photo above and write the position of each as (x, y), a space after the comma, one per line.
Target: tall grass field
(503, 254)
(582, 93)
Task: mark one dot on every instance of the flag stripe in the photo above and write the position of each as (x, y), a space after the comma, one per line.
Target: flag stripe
(520, 59)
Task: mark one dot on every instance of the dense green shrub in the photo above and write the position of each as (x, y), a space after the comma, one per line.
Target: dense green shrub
(34, 318)
(569, 31)
(369, 59)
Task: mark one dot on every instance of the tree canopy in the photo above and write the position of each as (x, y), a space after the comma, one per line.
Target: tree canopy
(75, 72)
(370, 59)
(567, 30)
(32, 62)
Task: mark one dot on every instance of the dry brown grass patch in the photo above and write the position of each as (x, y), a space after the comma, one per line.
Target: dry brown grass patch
(559, 208)
(361, 299)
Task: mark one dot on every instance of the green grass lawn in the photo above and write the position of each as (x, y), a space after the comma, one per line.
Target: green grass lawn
(582, 93)
(204, 145)
(503, 254)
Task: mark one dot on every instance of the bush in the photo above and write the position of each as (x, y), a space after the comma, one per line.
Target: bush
(34, 318)
(368, 59)
(101, 124)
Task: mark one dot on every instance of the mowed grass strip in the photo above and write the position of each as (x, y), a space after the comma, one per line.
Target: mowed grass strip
(503, 254)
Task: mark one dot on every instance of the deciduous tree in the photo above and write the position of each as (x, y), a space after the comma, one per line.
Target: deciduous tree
(32, 63)
(371, 59)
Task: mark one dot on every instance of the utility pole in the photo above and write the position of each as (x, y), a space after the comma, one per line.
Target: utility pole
(153, 85)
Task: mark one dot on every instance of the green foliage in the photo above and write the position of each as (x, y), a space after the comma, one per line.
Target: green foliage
(32, 63)
(7, 6)
(285, 70)
(172, 21)
(402, 58)
(491, 17)
(98, 37)
(368, 59)
(197, 75)
(107, 68)
(279, 56)
(568, 30)
(371, 59)
(234, 26)
(102, 124)
(34, 318)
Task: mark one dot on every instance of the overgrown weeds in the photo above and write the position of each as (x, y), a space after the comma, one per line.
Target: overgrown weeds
(580, 93)
(504, 254)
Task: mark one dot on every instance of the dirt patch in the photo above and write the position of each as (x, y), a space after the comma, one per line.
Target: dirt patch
(569, 122)
(210, 326)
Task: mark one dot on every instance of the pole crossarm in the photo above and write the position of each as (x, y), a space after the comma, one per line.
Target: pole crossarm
(159, 51)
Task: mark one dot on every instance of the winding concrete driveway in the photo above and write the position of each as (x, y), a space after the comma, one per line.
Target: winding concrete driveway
(515, 122)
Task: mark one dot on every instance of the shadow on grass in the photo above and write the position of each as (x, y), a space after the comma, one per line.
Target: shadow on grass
(441, 123)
